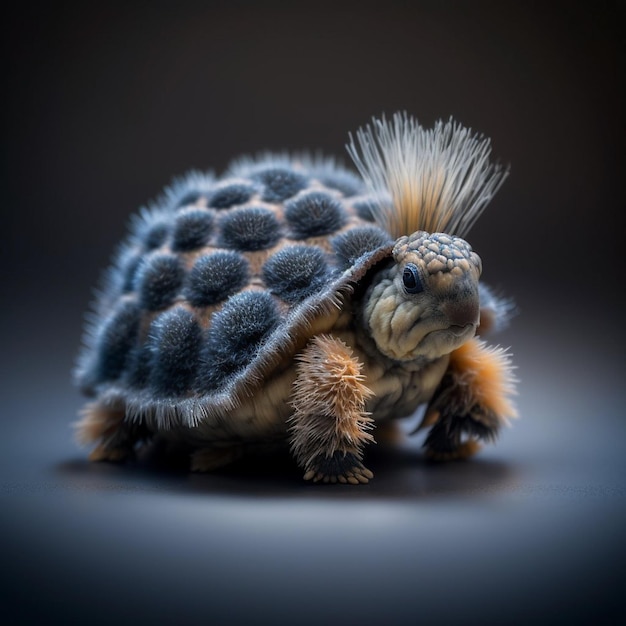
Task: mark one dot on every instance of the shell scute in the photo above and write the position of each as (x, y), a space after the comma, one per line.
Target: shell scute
(230, 194)
(174, 342)
(117, 337)
(249, 229)
(296, 272)
(216, 276)
(192, 229)
(280, 183)
(313, 214)
(159, 280)
(235, 337)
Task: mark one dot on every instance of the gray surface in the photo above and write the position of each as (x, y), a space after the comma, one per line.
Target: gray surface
(105, 104)
(532, 529)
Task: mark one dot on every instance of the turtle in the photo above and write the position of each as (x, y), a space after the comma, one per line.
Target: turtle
(295, 302)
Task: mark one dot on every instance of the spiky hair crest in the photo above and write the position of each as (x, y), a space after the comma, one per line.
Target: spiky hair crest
(437, 180)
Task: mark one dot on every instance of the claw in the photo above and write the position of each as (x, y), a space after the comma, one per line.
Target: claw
(355, 475)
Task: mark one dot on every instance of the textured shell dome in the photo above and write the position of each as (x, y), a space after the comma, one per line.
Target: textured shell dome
(220, 280)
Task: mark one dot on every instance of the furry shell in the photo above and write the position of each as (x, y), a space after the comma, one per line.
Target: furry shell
(221, 280)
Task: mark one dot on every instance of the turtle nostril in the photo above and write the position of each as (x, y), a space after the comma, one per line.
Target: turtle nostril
(463, 313)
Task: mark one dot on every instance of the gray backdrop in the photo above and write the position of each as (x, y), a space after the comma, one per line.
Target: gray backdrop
(105, 103)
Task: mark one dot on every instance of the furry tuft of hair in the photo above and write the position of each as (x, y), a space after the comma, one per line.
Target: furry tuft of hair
(436, 180)
(329, 399)
(488, 380)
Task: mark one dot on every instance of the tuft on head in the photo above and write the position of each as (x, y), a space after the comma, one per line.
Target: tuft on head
(436, 180)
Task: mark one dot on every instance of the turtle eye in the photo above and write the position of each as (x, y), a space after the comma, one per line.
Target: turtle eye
(411, 279)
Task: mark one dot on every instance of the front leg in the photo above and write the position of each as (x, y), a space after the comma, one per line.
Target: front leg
(472, 401)
(329, 426)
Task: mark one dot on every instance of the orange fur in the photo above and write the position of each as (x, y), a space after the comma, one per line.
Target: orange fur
(329, 399)
(97, 423)
(105, 426)
(488, 373)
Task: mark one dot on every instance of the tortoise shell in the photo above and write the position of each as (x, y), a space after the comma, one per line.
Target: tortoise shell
(221, 280)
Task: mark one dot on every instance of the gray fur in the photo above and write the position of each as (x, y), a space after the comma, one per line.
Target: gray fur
(216, 276)
(352, 245)
(159, 280)
(313, 214)
(280, 183)
(254, 228)
(296, 272)
(192, 229)
(174, 344)
(502, 309)
(231, 194)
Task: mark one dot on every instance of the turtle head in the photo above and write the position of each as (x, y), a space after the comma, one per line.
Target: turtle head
(425, 303)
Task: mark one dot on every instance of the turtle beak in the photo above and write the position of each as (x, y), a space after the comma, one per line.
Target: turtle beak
(463, 313)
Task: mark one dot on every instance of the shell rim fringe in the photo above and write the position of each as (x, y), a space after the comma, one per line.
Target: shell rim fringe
(190, 412)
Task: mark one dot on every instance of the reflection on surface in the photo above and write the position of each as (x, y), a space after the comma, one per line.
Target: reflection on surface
(400, 473)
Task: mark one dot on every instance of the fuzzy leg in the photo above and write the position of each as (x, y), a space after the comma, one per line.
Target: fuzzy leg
(106, 426)
(472, 401)
(329, 426)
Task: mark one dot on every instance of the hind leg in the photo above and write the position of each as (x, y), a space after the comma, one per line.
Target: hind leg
(106, 427)
(472, 402)
(329, 426)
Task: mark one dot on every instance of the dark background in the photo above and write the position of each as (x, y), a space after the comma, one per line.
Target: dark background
(104, 104)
